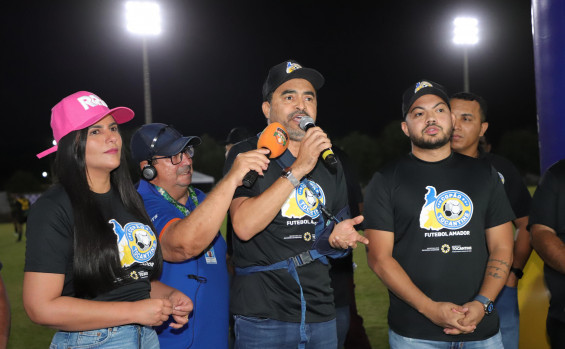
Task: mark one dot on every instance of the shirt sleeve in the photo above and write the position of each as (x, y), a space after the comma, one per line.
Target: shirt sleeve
(378, 206)
(49, 237)
(516, 190)
(545, 202)
(499, 210)
(341, 194)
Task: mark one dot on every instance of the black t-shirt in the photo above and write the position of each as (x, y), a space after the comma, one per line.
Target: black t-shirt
(50, 238)
(516, 190)
(438, 213)
(275, 294)
(548, 208)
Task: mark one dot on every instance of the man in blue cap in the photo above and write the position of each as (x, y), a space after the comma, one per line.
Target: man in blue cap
(188, 228)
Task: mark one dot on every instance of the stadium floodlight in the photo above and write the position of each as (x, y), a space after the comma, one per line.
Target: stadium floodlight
(144, 18)
(466, 31)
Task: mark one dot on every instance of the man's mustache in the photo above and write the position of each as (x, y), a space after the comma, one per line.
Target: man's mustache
(184, 170)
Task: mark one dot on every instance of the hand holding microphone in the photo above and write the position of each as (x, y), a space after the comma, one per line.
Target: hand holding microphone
(327, 154)
(274, 138)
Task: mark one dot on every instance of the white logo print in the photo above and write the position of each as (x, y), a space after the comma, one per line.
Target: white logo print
(91, 101)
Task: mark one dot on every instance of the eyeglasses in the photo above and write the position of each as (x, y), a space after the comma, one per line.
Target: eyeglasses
(177, 158)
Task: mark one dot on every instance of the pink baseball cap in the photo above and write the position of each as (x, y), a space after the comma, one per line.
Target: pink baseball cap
(79, 110)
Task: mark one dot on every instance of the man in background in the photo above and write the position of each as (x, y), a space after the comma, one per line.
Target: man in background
(350, 330)
(19, 206)
(470, 125)
(547, 228)
(5, 316)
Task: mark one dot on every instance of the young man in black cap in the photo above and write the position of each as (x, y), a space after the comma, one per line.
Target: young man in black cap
(440, 234)
(188, 223)
(281, 292)
(470, 112)
(236, 135)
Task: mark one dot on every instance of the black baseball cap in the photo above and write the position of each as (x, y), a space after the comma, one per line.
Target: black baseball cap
(159, 139)
(236, 135)
(422, 88)
(287, 70)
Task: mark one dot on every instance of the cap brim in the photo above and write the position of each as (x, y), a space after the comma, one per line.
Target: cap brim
(312, 75)
(121, 114)
(427, 91)
(178, 145)
(47, 152)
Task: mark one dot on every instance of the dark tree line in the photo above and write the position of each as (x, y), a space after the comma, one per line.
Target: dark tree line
(367, 153)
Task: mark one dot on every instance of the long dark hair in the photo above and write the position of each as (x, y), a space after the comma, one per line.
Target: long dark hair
(96, 263)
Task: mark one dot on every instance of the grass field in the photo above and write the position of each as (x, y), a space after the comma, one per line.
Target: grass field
(372, 298)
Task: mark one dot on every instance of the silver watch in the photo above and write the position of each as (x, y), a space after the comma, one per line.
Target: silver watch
(287, 173)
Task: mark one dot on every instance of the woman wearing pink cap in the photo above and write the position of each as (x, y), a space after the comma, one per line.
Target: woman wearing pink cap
(92, 258)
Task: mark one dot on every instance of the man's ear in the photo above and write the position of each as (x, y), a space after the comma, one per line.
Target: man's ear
(266, 107)
(143, 164)
(484, 127)
(404, 128)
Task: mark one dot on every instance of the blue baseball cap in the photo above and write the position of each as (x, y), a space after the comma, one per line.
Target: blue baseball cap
(159, 139)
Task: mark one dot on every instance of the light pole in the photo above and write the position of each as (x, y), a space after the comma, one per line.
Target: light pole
(144, 18)
(466, 33)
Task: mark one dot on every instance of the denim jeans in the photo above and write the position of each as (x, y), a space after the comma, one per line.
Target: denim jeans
(506, 305)
(261, 333)
(397, 341)
(121, 337)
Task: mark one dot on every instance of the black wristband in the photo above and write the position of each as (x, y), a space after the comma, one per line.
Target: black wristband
(518, 272)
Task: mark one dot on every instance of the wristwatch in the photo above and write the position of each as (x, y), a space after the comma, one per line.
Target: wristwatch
(518, 272)
(487, 303)
(287, 173)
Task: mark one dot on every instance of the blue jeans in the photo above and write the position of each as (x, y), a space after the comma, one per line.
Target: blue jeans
(261, 333)
(397, 341)
(506, 305)
(121, 337)
(342, 323)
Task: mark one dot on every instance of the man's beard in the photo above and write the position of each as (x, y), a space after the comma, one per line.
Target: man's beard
(434, 143)
(295, 134)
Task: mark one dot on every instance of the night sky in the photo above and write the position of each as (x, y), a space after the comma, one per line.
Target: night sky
(208, 65)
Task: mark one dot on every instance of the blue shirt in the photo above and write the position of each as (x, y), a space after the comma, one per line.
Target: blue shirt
(203, 278)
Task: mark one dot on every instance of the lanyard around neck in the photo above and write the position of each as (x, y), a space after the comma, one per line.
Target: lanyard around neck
(191, 194)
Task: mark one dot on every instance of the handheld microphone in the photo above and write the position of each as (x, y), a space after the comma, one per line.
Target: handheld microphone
(275, 139)
(327, 154)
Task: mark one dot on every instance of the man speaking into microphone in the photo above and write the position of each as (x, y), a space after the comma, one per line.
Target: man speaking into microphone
(287, 224)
